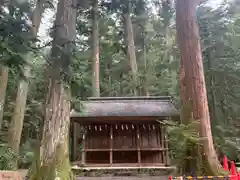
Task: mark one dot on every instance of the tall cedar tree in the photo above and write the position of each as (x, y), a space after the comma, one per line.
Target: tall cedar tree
(193, 89)
(95, 53)
(129, 40)
(16, 126)
(53, 162)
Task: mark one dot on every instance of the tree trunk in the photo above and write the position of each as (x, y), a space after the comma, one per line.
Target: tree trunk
(3, 87)
(145, 68)
(193, 89)
(95, 55)
(3, 80)
(53, 161)
(16, 126)
(131, 49)
(212, 93)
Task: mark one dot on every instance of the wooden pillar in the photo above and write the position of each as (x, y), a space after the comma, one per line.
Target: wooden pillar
(162, 135)
(138, 145)
(111, 146)
(166, 145)
(162, 142)
(83, 146)
(74, 141)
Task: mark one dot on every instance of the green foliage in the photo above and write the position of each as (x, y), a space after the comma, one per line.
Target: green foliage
(27, 154)
(15, 39)
(7, 158)
(180, 137)
(228, 141)
(219, 30)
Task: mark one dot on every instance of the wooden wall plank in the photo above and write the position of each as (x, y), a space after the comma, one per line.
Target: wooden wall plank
(166, 146)
(162, 135)
(147, 140)
(138, 145)
(111, 145)
(83, 149)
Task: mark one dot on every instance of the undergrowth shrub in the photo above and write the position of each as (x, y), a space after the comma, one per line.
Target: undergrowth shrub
(7, 158)
(227, 141)
(27, 154)
(181, 137)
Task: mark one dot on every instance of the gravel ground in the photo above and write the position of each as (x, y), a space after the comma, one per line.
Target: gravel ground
(24, 172)
(125, 178)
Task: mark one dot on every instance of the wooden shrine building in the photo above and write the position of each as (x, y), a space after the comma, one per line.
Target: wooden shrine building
(121, 132)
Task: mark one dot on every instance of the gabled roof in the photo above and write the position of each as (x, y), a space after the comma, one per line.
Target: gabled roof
(127, 106)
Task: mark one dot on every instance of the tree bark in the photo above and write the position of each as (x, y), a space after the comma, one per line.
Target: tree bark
(193, 89)
(53, 161)
(131, 49)
(16, 126)
(3, 76)
(3, 87)
(3, 84)
(212, 93)
(95, 55)
(146, 69)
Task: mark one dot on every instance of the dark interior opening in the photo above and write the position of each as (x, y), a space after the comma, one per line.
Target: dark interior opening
(124, 136)
(97, 158)
(122, 157)
(98, 139)
(152, 157)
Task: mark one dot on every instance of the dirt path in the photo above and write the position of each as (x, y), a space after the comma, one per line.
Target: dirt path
(24, 172)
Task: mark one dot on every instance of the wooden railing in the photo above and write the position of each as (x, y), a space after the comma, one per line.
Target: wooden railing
(105, 141)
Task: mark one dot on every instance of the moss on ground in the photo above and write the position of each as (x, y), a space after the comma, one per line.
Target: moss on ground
(58, 168)
(122, 172)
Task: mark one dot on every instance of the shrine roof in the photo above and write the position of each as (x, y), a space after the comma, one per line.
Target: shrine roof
(156, 106)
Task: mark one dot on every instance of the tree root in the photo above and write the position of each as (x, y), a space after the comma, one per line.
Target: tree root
(197, 163)
(57, 169)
